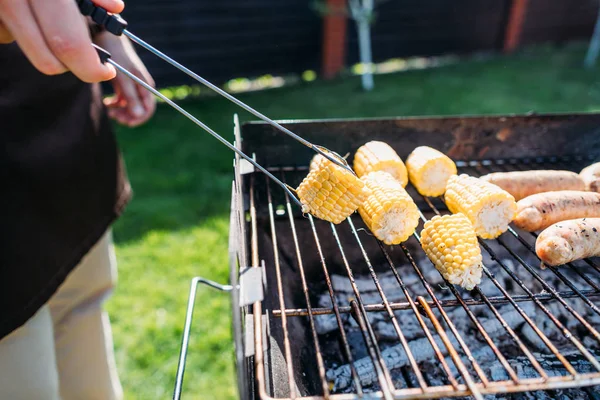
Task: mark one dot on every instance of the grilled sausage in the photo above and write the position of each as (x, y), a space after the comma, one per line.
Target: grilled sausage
(568, 241)
(525, 183)
(541, 210)
(591, 177)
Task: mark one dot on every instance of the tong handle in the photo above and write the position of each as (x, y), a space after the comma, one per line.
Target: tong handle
(111, 22)
(103, 54)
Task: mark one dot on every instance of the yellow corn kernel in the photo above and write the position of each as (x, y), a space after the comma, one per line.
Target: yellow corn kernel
(388, 211)
(316, 161)
(459, 263)
(429, 170)
(489, 208)
(331, 193)
(379, 156)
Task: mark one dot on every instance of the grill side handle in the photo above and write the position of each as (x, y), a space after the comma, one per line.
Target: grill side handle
(188, 327)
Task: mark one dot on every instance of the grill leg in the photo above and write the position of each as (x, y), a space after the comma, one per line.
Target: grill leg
(188, 327)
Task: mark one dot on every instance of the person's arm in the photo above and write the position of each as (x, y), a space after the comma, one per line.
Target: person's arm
(54, 36)
(131, 104)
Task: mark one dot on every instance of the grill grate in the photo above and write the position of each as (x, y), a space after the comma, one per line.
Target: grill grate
(429, 308)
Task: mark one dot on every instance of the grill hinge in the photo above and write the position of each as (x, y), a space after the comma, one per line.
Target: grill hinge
(252, 283)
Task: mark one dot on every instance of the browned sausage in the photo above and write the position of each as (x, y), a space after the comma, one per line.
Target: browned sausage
(568, 241)
(541, 210)
(525, 183)
(591, 177)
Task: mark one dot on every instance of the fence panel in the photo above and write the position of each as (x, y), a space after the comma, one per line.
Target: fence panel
(559, 20)
(226, 39)
(404, 28)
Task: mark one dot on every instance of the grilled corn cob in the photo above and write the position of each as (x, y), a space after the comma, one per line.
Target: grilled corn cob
(316, 161)
(379, 156)
(331, 193)
(429, 170)
(389, 212)
(489, 208)
(451, 245)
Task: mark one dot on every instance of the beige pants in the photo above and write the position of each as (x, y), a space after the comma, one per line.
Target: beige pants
(65, 350)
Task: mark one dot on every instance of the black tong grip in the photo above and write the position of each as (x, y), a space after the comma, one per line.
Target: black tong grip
(111, 22)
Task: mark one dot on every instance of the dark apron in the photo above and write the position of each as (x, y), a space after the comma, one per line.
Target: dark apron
(62, 182)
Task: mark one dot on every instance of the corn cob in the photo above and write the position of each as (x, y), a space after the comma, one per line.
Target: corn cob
(489, 208)
(451, 245)
(316, 161)
(429, 170)
(389, 212)
(331, 193)
(379, 156)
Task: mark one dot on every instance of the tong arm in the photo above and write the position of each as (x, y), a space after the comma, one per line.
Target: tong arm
(105, 58)
(116, 25)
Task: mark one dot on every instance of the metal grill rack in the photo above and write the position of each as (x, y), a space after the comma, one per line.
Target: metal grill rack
(429, 307)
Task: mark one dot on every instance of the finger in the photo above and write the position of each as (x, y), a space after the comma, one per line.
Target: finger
(70, 42)
(124, 111)
(148, 99)
(148, 106)
(112, 6)
(113, 101)
(112, 112)
(131, 95)
(124, 117)
(116, 100)
(5, 35)
(20, 22)
(121, 115)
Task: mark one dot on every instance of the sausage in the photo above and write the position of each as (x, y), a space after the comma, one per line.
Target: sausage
(591, 177)
(568, 241)
(525, 183)
(541, 210)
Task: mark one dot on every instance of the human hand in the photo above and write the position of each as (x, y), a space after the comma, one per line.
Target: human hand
(54, 36)
(131, 105)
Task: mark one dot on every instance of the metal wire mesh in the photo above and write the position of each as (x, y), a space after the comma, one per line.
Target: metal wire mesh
(449, 339)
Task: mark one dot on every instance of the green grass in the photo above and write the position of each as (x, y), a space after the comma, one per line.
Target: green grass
(177, 224)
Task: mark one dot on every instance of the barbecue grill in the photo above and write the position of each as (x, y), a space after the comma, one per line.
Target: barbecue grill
(312, 301)
(324, 311)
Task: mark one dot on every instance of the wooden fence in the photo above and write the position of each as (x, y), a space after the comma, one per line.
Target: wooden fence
(226, 39)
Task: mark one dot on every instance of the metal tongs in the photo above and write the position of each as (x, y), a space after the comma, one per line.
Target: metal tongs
(118, 26)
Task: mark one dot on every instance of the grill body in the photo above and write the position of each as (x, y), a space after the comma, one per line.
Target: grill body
(280, 349)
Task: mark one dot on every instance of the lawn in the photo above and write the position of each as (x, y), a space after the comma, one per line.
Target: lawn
(177, 224)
